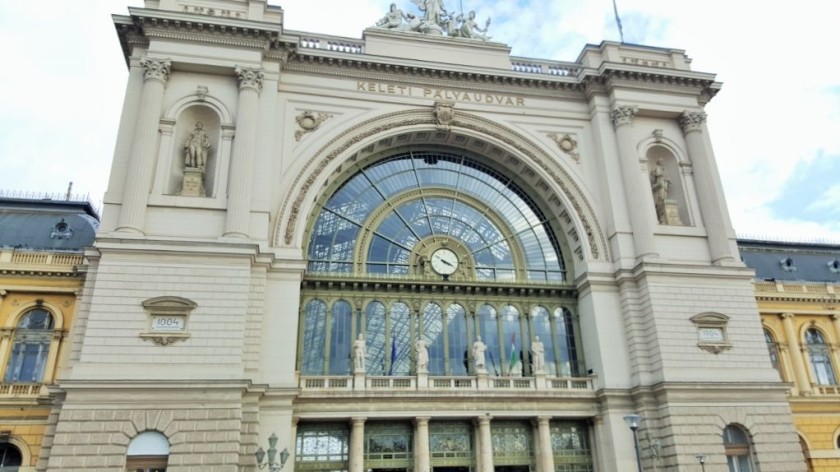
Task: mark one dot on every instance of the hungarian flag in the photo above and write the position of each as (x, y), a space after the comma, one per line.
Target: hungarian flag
(512, 353)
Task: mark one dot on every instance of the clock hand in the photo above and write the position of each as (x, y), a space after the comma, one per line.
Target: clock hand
(446, 262)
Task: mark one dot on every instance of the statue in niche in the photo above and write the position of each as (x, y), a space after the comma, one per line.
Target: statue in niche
(667, 210)
(478, 355)
(538, 353)
(422, 356)
(393, 19)
(196, 147)
(359, 354)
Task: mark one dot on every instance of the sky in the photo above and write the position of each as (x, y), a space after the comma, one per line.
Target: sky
(775, 125)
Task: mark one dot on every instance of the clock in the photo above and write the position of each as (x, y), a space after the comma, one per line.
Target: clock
(444, 261)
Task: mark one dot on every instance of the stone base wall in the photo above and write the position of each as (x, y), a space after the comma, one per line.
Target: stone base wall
(205, 439)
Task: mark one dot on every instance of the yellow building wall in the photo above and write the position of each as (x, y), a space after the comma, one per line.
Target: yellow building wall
(816, 414)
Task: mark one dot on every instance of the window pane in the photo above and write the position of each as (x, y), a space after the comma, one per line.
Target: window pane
(489, 330)
(457, 331)
(375, 338)
(512, 341)
(314, 338)
(400, 348)
(340, 342)
(433, 335)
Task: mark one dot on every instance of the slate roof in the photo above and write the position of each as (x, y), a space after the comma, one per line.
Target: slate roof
(790, 261)
(51, 225)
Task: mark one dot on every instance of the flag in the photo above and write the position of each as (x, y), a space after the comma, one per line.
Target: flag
(512, 353)
(393, 355)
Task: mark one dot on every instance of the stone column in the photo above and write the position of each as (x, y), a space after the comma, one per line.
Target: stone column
(546, 459)
(138, 180)
(357, 444)
(798, 361)
(421, 451)
(486, 446)
(244, 145)
(709, 190)
(637, 191)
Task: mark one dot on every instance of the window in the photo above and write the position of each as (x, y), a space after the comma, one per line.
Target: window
(820, 355)
(10, 458)
(147, 452)
(737, 449)
(773, 350)
(30, 348)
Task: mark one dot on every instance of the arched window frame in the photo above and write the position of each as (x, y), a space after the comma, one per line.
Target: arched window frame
(821, 364)
(773, 351)
(148, 452)
(10, 332)
(23, 449)
(739, 455)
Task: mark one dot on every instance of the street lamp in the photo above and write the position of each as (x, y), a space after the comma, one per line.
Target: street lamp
(633, 422)
(273, 465)
(701, 458)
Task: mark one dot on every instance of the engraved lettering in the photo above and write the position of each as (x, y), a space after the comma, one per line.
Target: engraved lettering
(361, 86)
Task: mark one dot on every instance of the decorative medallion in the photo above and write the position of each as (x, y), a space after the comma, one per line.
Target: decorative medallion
(444, 113)
(201, 92)
(567, 144)
(309, 122)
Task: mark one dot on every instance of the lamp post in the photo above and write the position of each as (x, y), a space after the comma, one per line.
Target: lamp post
(633, 422)
(273, 465)
(701, 458)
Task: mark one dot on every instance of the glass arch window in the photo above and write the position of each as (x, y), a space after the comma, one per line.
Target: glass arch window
(30, 348)
(389, 207)
(148, 452)
(738, 451)
(773, 350)
(820, 356)
(10, 458)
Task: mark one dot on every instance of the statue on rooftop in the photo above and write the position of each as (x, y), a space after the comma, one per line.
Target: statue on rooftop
(435, 20)
(470, 29)
(393, 19)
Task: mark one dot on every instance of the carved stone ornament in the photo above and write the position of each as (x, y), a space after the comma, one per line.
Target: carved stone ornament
(623, 115)
(434, 20)
(444, 113)
(711, 332)
(155, 69)
(657, 135)
(309, 122)
(249, 78)
(164, 340)
(201, 92)
(567, 144)
(692, 121)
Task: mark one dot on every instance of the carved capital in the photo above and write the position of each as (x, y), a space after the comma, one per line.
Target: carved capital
(156, 69)
(623, 115)
(692, 120)
(786, 316)
(249, 78)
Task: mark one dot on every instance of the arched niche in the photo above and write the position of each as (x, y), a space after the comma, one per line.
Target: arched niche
(186, 128)
(667, 186)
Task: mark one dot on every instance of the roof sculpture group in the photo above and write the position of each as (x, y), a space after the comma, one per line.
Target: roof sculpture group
(434, 20)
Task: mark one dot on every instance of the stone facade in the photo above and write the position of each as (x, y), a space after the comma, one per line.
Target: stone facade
(218, 320)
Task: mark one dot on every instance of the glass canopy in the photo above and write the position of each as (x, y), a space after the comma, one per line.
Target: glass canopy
(375, 221)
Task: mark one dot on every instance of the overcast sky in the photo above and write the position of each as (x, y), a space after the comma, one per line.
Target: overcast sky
(775, 126)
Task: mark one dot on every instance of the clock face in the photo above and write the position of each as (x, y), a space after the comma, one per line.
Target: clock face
(444, 261)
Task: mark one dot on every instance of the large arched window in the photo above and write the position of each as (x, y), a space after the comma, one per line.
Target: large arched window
(773, 350)
(147, 452)
(820, 356)
(738, 451)
(10, 458)
(441, 247)
(31, 347)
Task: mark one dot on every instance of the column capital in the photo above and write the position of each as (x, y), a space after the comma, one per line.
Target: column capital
(623, 115)
(155, 69)
(422, 420)
(834, 317)
(786, 316)
(692, 120)
(357, 420)
(484, 420)
(249, 78)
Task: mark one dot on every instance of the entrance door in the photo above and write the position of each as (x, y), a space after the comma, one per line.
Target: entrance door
(451, 469)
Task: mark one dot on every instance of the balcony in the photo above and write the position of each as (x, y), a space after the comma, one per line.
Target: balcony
(22, 391)
(431, 385)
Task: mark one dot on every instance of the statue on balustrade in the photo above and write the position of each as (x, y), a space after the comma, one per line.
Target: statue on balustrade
(359, 354)
(422, 356)
(478, 351)
(538, 355)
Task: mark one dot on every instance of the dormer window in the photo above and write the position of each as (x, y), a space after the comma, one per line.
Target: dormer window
(787, 264)
(834, 266)
(61, 230)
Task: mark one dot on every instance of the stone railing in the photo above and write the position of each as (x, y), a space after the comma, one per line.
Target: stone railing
(826, 389)
(19, 390)
(537, 66)
(443, 383)
(332, 43)
(797, 287)
(38, 258)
